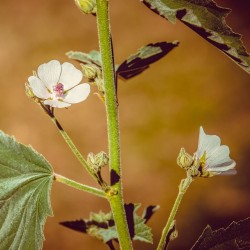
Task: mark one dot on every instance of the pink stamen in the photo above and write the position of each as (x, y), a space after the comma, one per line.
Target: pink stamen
(58, 90)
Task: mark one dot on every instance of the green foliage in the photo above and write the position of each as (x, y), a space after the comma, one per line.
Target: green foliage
(25, 183)
(208, 20)
(135, 64)
(235, 236)
(143, 58)
(102, 226)
(142, 231)
(93, 57)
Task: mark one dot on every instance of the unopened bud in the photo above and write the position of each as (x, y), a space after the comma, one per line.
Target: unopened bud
(86, 6)
(91, 71)
(184, 159)
(97, 161)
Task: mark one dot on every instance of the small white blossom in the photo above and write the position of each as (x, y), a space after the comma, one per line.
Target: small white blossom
(58, 85)
(211, 157)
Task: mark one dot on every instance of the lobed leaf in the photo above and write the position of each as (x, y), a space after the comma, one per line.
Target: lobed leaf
(102, 226)
(235, 236)
(143, 58)
(207, 19)
(25, 183)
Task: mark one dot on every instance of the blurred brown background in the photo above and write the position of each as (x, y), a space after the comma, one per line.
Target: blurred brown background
(160, 112)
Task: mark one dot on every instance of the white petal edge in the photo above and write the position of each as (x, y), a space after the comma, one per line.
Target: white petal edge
(229, 172)
(56, 104)
(49, 73)
(226, 166)
(70, 76)
(77, 94)
(38, 87)
(207, 143)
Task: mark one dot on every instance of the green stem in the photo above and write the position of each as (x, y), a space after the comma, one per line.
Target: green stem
(116, 198)
(67, 139)
(79, 186)
(71, 145)
(185, 183)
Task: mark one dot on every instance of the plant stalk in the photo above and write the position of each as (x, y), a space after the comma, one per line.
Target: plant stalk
(68, 140)
(115, 198)
(71, 145)
(79, 186)
(185, 183)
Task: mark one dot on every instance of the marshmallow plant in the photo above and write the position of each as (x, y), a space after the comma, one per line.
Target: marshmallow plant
(26, 176)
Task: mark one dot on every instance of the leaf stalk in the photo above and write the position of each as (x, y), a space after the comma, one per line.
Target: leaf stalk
(77, 185)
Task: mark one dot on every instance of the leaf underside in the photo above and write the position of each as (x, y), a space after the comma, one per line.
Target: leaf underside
(235, 236)
(207, 19)
(102, 225)
(93, 57)
(144, 57)
(25, 183)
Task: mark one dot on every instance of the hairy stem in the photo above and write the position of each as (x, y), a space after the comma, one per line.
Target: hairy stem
(79, 186)
(185, 183)
(68, 140)
(116, 197)
(72, 146)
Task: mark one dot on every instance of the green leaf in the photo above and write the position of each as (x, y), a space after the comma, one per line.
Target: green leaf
(142, 231)
(102, 226)
(143, 58)
(208, 20)
(93, 57)
(25, 183)
(235, 236)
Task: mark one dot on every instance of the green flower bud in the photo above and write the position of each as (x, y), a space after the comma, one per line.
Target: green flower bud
(193, 171)
(97, 161)
(91, 71)
(184, 160)
(86, 6)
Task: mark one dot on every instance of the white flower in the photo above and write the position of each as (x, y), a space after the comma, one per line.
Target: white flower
(58, 85)
(212, 157)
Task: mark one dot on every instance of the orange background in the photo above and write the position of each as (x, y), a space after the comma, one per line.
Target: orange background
(160, 112)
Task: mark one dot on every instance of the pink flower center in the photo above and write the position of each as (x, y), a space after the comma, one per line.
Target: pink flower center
(58, 90)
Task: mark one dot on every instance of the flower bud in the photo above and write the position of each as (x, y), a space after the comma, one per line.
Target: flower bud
(91, 71)
(184, 160)
(97, 161)
(86, 6)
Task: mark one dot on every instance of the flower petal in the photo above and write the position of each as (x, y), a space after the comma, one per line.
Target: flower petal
(49, 73)
(207, 143)
(218, 156)
(56, 103)
(229, 172)
(38, 87)
(70, 76)
(77, 94)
